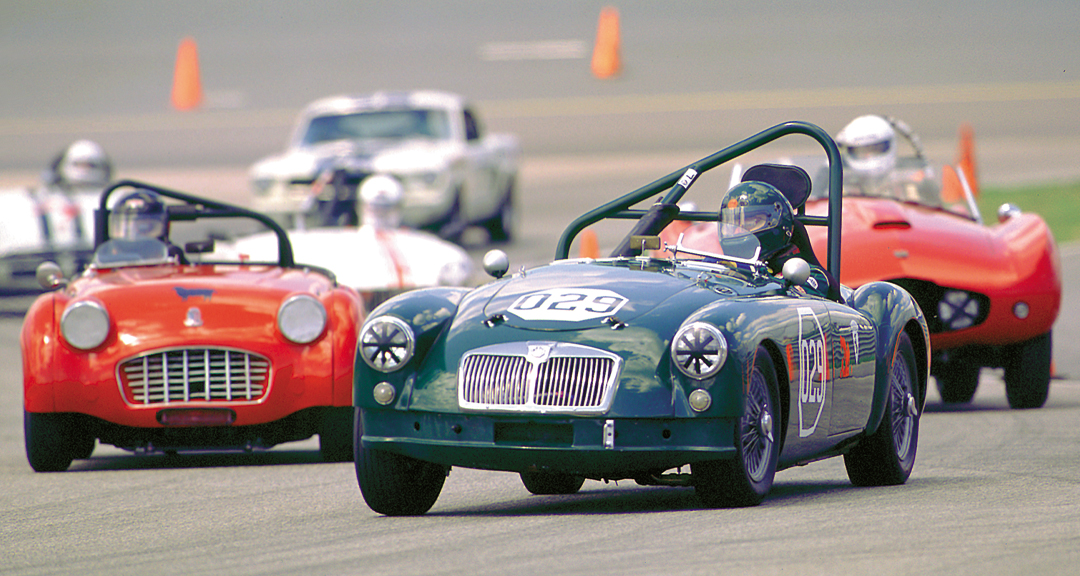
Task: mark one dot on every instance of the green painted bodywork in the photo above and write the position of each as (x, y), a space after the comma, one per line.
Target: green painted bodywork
(654, 426)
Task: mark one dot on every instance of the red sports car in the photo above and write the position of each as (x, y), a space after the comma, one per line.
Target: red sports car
(991, 293)
(158, 348)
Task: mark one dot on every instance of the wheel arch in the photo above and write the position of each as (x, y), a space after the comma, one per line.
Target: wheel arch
(783, 384)
(893, 311)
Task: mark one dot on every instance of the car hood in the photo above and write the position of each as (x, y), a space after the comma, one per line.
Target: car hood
(884, 240)
(157, 300)
(382, 155)
(576, 295)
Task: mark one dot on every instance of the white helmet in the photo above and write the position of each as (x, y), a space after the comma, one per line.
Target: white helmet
(84, 163)
(380, 201)
(869, 146)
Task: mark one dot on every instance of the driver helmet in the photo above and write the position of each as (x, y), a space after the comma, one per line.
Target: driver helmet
(755, 214)
(84, 163)
(380, 201)
(869, 146)
(139, 214)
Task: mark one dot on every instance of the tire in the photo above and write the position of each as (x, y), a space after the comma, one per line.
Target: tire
(957, 379)
(500, 228)
(886, 457)
(50, 441)
(545, 483)
(453, 225)
(745, 479)
(1027, 372)
(393, 484)
(83, 446)
(336, 434)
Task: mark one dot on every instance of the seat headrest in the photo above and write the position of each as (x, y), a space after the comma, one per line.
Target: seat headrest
(792, 181)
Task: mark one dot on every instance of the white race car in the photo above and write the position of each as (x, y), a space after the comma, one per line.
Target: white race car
(53, 221)
(379, 258)
(454, 175)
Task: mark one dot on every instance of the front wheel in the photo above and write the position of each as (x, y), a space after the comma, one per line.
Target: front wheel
(51, 441)
(544, 483)
(500, 227)
(887, 456)
(747, 478)
(393, 484)
(1027, 372)
(336, 434)
(957, 379)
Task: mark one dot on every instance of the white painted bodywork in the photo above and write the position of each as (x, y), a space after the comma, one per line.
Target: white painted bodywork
(457, 166)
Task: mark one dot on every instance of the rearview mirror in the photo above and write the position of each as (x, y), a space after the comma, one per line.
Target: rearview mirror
(496, 263)
(49, 275)
(796, 271)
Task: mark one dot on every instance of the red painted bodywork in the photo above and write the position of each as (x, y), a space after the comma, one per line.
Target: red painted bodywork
(885, 239)
(147, 314)
(1009, 262)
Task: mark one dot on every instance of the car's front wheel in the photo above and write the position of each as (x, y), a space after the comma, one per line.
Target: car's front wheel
(500, 227)
(1027, 372)
(336, 434)
(957, 379)
(393, 484)
(544, 483)
(887, 456)
(53, 441)
(747, 478)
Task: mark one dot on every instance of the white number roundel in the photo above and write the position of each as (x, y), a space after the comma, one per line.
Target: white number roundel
(567, 304)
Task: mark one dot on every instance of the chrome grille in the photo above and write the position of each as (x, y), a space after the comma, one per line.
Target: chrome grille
(194, 375)
(538, 377)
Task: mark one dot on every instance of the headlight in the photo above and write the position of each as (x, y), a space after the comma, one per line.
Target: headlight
(301, 318)
(386, 343)
(85, 324)
(699, 350)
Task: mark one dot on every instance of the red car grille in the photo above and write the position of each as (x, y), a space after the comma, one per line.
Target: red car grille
(194, 375)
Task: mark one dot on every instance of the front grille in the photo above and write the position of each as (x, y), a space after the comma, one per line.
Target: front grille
(194, 375)
(538, 377)
(946, 309)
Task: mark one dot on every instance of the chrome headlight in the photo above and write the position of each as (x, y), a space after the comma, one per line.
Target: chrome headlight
(85, 324)
(387, 343)
(301, 318)
(699, 350)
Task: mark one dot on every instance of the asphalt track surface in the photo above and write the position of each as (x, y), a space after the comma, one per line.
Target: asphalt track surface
(994, 491)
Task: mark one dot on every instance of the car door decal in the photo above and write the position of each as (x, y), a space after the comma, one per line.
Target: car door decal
(813, 372)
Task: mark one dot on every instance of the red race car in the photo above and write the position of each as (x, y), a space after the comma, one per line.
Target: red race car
(158, 348)
(991, 293)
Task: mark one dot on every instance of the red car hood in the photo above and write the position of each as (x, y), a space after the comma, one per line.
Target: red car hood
(884, 239)
(150, 306)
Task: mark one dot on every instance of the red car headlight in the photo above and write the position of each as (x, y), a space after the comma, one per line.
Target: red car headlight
(301, 318)
(85, 324)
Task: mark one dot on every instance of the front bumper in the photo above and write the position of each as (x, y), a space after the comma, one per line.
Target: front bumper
(590, 447)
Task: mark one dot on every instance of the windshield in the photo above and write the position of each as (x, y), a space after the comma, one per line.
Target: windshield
(391, 124)
(118, 253)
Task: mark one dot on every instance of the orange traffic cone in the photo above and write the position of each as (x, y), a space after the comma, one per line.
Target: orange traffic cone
(590, 247)
(967, 157)
(605, 60)
(187, 90)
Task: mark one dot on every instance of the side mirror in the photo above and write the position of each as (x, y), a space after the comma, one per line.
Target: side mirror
(199, 247)
(1007, 211)
(796, 271)
(496, 263)
(49, 275)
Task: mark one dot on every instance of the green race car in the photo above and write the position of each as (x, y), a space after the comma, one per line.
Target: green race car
(657, 358)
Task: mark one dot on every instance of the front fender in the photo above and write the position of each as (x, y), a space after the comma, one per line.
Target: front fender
(427, 312)
(892, 310)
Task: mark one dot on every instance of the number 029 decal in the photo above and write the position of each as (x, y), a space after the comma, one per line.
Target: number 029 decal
(567, 304)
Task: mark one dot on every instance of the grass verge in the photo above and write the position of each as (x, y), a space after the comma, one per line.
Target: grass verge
(1058, 204)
